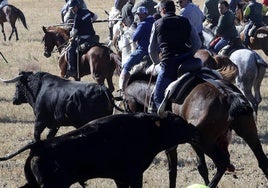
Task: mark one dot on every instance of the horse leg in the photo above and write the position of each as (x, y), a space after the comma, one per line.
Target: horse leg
(257, 85)
(109, 79)
(202, 166)
(220, 159)
(245, 87)
(14, 29)
(3, 31)
(245, 127)
(172, 165)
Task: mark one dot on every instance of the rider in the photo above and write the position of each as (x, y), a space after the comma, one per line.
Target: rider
(126, 13)
(211, 13)
(225, 28)
(3, 3)
(253, 12)
(149, 4)
(66, 13)
(141, 36)
(177, 41)
(194, 15)
(82, 31)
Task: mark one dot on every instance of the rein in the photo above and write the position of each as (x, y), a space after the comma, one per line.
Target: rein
(61, 46)
(148, 89)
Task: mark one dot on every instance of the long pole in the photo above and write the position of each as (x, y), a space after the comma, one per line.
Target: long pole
(3, 57)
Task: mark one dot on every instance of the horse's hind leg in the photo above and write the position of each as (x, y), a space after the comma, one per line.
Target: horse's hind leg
(14, 29)
(245, 127)
(257, 84)
(172, 166)
(3, 31)
(202, 166)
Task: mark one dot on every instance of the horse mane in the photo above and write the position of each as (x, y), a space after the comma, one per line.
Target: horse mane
(226, 68)
(60, 30)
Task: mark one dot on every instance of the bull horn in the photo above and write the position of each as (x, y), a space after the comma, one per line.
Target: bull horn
(12, 80)
(44, 29)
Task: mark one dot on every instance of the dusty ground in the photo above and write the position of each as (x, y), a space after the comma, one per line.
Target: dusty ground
(16, 122)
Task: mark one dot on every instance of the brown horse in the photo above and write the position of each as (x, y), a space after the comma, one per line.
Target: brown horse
(99, 60)
(215, 111)
(10, 13)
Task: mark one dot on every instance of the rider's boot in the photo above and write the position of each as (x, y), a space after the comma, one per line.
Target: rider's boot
(71, 68)
(123, 80)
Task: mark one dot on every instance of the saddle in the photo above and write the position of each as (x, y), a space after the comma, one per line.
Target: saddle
(83, 48)
(178, 90)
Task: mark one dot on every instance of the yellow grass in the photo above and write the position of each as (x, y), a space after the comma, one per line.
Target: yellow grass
(16, 122)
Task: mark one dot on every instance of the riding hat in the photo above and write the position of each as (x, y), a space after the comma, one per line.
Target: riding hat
(142, 10)
(74, 3)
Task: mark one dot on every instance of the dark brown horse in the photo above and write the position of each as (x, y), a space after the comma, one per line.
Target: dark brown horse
(99, 60)
(10, 13)
(215, 111)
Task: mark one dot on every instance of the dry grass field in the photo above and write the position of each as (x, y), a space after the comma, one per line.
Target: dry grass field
(16, 122)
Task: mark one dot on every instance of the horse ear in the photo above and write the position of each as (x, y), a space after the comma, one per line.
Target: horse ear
(44, 29)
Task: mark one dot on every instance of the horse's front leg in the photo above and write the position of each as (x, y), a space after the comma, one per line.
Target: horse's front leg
(172, 165)
(3, 31)
(201, 164)
(110, 83)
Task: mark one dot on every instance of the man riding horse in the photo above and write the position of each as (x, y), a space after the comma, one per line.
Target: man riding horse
(82, 32)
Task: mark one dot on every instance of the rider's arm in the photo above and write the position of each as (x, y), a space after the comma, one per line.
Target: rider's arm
(195, 40)
(153, 48)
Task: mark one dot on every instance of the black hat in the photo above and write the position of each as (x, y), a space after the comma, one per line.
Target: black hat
(74, 3)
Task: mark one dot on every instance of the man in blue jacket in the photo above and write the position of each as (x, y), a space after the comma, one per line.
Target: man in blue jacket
(142, 37)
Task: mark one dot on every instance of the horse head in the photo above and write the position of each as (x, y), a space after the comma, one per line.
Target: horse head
(54, 36)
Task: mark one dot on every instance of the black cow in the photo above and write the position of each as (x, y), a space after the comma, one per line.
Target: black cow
(120, 147)
(60, 102)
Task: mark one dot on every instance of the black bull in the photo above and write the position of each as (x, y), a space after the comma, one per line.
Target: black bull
(120, 147)
(60, 102)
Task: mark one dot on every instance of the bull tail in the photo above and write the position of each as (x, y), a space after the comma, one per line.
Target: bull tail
(28, 146)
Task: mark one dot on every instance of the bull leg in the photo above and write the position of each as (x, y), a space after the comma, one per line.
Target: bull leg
(202, 166)
(172, 165)
(3, 31)
(31, 181)
(38, 129)
(52, 132)
(246, 128)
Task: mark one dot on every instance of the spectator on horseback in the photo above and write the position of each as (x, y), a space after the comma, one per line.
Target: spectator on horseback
(225, 29)
(118, 4)
(82, 32)
(149, 4)
(194, 15)
(233, 5)
(3, 3)
(141, 36)
(211, 13)
(253, 12)
(126, 13)
(177, 41)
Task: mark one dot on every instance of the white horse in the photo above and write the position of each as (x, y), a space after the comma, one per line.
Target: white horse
(251, 71)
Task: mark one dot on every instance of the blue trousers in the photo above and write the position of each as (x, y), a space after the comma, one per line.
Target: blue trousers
(134, 59)
(72, 56)
(222, 42)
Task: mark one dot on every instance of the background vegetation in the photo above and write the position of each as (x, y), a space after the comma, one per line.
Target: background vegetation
(16, 122)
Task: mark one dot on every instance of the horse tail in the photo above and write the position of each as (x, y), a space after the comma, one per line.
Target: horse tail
(239, 103)
(21, 16)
